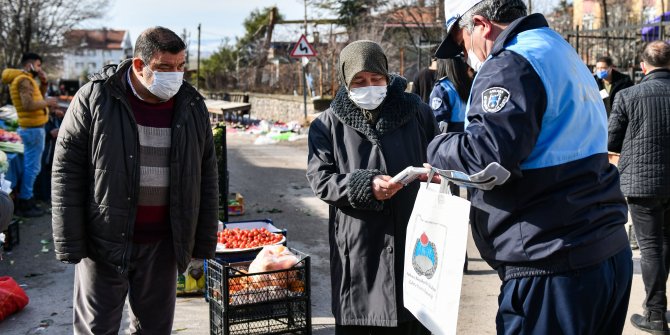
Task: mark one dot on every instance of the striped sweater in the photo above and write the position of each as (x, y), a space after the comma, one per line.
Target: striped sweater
(154, 122)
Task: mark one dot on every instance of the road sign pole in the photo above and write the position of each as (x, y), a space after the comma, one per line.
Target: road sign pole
(303, 50)
(304, 88)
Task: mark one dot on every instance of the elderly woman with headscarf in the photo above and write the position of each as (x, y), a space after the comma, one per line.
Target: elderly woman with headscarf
(372, 131)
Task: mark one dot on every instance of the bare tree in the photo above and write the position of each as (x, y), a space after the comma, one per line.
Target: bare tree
(39, 26)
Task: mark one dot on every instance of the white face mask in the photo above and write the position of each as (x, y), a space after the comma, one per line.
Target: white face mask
(165, 84)
(473, 61)
(368, 97)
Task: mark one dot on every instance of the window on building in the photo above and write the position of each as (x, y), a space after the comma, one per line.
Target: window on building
(648, 14)
(79, 52)
(78, 65)
(93, 66)
(587, 21)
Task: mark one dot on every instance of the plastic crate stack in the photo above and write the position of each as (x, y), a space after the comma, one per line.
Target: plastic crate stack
(272, 302)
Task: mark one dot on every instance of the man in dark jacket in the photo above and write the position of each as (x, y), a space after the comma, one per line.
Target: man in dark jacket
(639, 128)
(554, 230)
(373, 130)
(610, 81)
(134, 191)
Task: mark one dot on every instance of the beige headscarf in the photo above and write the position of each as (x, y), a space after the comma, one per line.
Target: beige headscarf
(360, 56)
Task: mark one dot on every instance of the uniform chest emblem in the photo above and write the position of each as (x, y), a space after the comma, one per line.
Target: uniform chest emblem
(436, 103)
(494, 99)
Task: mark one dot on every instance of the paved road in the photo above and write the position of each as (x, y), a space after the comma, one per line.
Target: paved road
(272, 180)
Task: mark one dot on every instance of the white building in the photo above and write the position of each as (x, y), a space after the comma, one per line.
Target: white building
(87, 51)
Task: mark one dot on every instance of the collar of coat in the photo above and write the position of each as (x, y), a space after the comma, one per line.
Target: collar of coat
(661, 73)
(533, 21)
(396, 110)
(115, 76)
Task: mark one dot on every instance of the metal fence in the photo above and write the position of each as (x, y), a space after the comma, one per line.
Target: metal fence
(623, 44)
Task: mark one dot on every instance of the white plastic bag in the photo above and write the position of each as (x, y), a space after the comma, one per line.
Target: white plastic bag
(434, 254)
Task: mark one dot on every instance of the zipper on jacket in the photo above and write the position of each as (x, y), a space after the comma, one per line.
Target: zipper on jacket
(178, 124)
(127, 250)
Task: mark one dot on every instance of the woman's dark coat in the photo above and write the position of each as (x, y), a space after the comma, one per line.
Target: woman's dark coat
(367, 236)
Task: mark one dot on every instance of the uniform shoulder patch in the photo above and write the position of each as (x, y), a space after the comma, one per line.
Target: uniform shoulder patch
(494, 99)
(436, 103)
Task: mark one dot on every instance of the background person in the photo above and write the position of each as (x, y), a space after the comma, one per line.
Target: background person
(450, 94)
(373, 130)
(555, 230)
(639, 128)
(610, 81)
(33, 112)
(42, 189)
(424, 81)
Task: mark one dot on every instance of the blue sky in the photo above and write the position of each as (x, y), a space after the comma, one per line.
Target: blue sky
(219, 18)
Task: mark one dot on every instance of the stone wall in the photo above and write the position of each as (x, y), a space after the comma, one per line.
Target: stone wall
(285, 108)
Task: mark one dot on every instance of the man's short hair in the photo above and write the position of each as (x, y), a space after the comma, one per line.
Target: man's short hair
(29, 57)
(605, 59)
(501, 11)
(657, 54)
(157, 39)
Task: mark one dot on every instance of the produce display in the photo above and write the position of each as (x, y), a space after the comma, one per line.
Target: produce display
(10, 141)
(4, 164)
(237, 238)
(275, 274)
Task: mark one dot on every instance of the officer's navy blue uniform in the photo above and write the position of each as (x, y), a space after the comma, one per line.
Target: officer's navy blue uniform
(555, 229)
(447, 105)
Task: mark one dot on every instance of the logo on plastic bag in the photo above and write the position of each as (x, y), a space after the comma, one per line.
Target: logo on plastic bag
(424, 257)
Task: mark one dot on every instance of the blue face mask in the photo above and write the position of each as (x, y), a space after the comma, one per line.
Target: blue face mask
(602, 74)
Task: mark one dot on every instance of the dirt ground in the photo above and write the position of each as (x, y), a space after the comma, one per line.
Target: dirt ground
(272, 180)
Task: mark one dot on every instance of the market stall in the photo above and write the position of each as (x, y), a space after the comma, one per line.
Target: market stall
(219, 109)
(11, 167)
(256, 284)
(11, 158)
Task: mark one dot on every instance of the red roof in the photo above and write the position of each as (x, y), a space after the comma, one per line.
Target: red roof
(95, 39)
(413, 17)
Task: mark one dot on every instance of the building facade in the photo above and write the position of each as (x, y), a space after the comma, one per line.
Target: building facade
(87, 51)
(588, 14)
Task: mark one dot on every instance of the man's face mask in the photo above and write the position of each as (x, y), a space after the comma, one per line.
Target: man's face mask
(602, 74)
(165, 84)
(33, 71)
(368, 97)
(473, 61)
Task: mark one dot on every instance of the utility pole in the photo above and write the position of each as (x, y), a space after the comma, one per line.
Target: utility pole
(305, 61)
(305, 18)
(263, 55)
(197, 73)
(530, 6)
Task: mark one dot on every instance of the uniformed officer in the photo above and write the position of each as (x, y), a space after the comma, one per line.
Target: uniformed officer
(450, 94)
(555, 230)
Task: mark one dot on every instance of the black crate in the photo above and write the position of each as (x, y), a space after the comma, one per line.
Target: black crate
(272, 302)
(12, 235)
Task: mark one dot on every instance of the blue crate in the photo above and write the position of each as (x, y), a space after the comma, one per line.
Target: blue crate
(243, 256)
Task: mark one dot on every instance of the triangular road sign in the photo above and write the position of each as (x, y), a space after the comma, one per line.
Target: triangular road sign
(303, 49)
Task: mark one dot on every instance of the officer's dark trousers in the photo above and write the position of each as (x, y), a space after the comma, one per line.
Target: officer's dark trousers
(405, 328)
(590, 301)
(651, 221)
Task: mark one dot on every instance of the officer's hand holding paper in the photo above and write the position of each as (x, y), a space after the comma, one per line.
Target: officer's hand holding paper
(494, 174)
